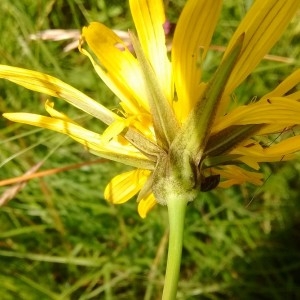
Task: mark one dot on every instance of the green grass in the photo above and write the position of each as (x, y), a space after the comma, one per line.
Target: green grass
(59, 239)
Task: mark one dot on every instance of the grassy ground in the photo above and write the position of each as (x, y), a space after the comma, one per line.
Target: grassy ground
(60, 240)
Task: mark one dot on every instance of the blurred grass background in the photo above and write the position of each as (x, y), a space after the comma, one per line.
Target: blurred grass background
(59, 239)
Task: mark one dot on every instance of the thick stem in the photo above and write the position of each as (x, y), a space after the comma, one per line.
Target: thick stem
(176, 211)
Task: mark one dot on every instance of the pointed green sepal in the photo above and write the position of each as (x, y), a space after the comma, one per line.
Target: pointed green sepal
(164, 120)
(196, 130)
(229, 138)
(187, 149)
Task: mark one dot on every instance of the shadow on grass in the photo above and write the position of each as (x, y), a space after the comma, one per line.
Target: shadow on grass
(235, 251)
(272, 271)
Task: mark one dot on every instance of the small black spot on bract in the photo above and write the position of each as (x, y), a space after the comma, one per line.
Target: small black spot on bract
(209, 183)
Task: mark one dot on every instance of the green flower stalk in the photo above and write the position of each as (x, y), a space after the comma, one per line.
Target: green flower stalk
(176, 130)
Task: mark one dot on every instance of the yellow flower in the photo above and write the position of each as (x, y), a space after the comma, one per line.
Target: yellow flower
(174, 128)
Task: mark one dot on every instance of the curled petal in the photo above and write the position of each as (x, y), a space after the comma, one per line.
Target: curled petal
(124, 186)
(118, 68)
(236, 175)
(114, 130)
(145, 205)
(49, 106)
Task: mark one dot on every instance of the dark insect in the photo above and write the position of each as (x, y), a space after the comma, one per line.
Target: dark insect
(209, 183)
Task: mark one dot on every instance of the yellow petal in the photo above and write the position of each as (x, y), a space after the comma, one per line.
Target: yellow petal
(263, 25)
(277, 110)
(285, 147)
(145, 205)
(190, 44)
(275, 128)
(286, 86)
(295, 96)
(118, 68)
(93, 141)
(52, 86)
(124, 186)
(149, 18)
(236, 175)
(113, 130)
(252, 153)
(49, 106)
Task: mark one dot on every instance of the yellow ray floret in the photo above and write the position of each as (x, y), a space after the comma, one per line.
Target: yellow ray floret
(124, 186)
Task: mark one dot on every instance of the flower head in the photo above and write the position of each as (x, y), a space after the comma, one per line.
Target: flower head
(174, 128)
